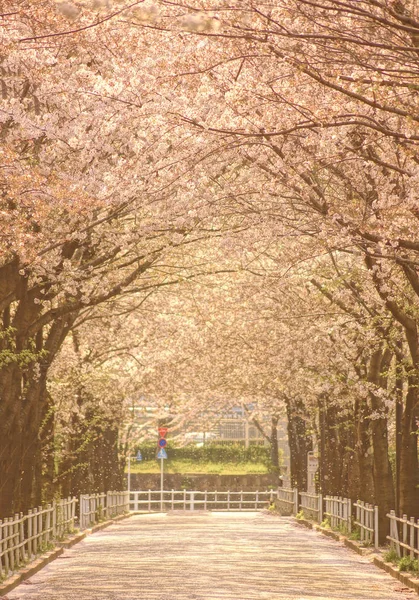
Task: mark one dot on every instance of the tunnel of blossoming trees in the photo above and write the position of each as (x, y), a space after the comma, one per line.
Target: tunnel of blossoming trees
(208, 203)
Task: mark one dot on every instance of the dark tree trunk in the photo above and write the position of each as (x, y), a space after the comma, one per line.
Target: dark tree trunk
(334, 452)
(383, 477)
(409, 468)
(364, 451)
(300, 442)
(274, 442)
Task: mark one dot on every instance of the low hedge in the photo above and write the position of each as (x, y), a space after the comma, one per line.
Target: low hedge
(212, 452)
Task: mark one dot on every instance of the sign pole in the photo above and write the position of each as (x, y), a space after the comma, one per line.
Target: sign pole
(161, 454)
(161, 484)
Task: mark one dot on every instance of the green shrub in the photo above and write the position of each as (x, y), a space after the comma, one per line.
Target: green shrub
(355, 535)
(391, 556)
(325, 523)
(408, 564)
(213, 452)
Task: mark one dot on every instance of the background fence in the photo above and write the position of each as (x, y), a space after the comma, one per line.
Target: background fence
(22, 537)
(404, 535)
(312, 506)
(339, 512)
(97, 507)
(287, 501)
(158, 501)
(366, 519)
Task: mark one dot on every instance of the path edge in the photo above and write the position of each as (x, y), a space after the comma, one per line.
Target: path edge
(39, 563)
(378, 561)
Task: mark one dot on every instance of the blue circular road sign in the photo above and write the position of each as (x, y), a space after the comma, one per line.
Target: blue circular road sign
(162, 443)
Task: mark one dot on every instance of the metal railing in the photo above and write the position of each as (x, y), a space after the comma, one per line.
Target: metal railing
(312, 506)
(404, 535)
(162, 501)
(339, 512)
(97, 507)
(22, 537)
(366, 519)
(287, 500)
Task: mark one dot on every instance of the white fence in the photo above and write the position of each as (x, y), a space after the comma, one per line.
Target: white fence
(158, 501)
(287, 500)
(339, 512)
(366, 518)
(22, 537)
(407, 542)
(97, 507)
(312, 506)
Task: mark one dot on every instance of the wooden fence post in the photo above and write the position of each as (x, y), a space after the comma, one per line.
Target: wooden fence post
(320, 505)
(1, 548)
(376, 538)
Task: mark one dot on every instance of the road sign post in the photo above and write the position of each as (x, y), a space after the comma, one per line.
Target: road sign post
(162, 455)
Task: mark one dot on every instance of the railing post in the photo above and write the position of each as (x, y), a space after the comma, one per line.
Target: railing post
(320, 506)
(6, 545)
(48, 524)
(376, 536)
(108, 508)
(404, 535)
(35, 531)
(1, 549)
(16, 539)
(81, 512)
(29, 545)
(295, 500)
(412, 537)
(192, 501)
(21, 539)
(349, 514)
(362, 520)
(228, 500)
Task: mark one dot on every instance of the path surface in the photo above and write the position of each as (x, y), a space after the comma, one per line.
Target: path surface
(210, 556)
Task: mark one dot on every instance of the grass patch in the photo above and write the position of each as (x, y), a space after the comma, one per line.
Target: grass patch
(405, 564)
(210, 468)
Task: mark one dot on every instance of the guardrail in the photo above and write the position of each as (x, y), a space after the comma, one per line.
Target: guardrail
(22, 537)
(409, 534)
(366, 518)
(312, 506)
(96, 507)
(339, 512)
(161, 501)
(287, 500)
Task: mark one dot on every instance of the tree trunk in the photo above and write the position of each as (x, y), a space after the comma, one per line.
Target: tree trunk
(364, 451)
(274, 443)
(300, 443)
(409, 468)
(383, 477)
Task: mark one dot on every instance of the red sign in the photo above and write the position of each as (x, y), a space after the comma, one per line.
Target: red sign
(162, 431)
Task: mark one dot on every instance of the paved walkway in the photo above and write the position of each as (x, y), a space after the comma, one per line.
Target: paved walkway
(210, 556)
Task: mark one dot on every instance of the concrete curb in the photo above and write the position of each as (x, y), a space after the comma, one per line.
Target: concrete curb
(305, 523)
(28, 571)
(41, 562)
(407, 580)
